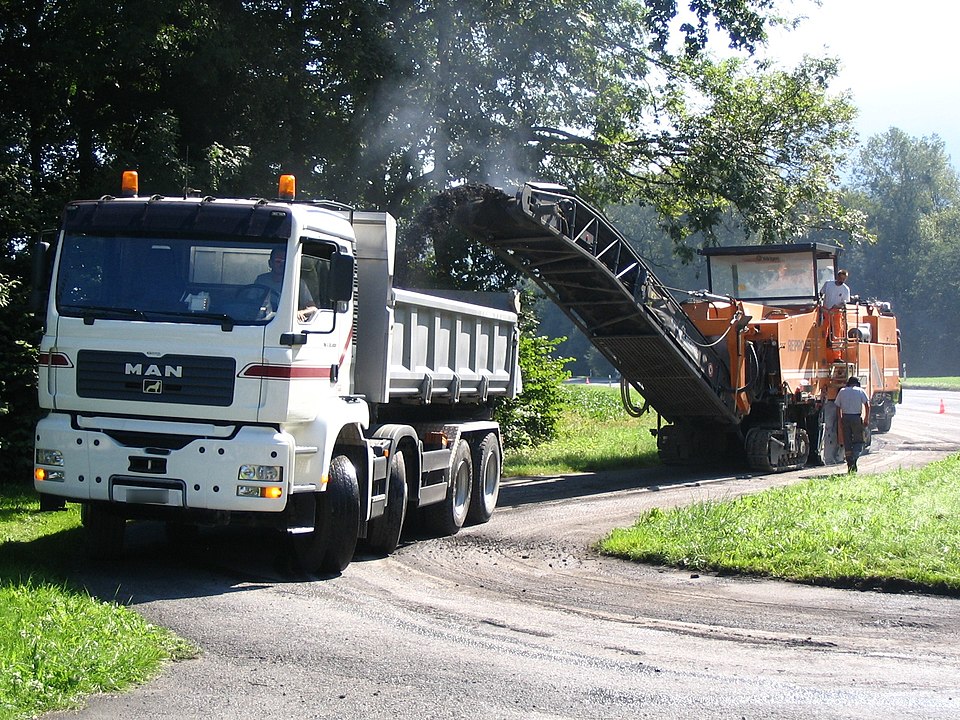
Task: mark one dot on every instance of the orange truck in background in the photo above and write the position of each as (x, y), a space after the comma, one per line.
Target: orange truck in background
(789, 353)
(749, 366)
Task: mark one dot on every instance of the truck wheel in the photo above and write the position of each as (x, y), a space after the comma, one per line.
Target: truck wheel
(486, 480)
(383, 534)
(340, 508)
(447, 517)
(884, 424)
(104, 529)
(330, 547)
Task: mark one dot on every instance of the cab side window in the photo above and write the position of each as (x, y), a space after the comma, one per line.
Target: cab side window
(315, 271)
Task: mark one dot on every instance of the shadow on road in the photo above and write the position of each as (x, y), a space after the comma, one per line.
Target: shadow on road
(517, 491)
(220, 560)
(239, 559)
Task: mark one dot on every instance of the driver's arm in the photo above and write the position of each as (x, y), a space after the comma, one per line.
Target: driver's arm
(306, 305)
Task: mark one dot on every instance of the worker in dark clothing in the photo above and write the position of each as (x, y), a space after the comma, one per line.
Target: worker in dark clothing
(853, 408)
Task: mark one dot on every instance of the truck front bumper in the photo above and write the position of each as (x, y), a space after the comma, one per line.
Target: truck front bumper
(248, 470)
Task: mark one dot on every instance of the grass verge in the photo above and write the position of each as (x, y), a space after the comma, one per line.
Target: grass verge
(898, 530)
(595, 434)
(57, 644)
(932, 383)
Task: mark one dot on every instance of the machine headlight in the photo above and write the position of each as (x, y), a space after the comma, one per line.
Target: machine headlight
(49, 457)
(261, 473)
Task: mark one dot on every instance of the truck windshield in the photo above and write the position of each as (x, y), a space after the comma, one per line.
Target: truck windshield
(169, 278)
(778, 278)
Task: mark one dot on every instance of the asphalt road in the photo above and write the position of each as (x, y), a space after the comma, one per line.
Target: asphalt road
(518, 618)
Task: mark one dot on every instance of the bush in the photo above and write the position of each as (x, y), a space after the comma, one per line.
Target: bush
(533, 417)
(18, 380)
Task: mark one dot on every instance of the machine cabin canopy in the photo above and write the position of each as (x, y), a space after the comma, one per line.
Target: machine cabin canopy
(771, 274)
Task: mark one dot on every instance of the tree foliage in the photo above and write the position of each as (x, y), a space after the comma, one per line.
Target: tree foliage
(767, 146)
(18, 379)
(910, 193)
(384, 103)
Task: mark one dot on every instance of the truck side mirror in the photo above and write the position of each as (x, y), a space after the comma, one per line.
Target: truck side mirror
(42, 271)
(342, 268)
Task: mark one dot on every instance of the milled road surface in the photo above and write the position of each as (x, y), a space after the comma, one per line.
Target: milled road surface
(518, 618)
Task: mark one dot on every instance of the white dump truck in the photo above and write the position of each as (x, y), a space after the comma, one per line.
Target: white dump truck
(210, 361)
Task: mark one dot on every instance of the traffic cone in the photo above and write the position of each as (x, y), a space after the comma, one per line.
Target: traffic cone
(942, 408)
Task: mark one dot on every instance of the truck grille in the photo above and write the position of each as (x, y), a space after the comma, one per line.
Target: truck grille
(182, 379)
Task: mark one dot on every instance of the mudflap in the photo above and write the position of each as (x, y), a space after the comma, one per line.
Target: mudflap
(301, 513)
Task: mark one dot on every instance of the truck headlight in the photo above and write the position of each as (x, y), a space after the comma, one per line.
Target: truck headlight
(49, 457)
(261, 473)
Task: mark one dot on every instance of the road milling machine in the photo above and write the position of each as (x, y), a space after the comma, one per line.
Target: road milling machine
(750, 366)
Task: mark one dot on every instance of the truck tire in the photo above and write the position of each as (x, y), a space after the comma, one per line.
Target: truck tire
(448, 516)
(486, 480)
(308, 550)
(105, 529)
(383, 534)
(881, 415)
(884, 424)
(340, 508)
(330, 547)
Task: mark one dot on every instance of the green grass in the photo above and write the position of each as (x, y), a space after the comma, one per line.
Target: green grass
(57, 644)
(895, 530)
(595, 434)
(933, 383)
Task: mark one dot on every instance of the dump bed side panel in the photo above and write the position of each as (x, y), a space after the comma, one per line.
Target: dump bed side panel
(423, 348)
(447, 351)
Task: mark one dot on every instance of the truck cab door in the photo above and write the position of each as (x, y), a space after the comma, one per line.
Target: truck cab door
(322, 339)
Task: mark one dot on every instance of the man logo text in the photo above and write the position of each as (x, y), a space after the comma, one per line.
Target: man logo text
(175, 371)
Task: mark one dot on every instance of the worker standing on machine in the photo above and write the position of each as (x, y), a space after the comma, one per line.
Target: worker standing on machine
(836, 293)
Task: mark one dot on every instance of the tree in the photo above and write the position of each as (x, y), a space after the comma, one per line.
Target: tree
(589, 94)
(930, 326)
(18, 380)
(910, 194)
(898, 181)
(383, 104)
(766, 147)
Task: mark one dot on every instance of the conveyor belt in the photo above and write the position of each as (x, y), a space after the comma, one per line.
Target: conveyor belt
(590, 271)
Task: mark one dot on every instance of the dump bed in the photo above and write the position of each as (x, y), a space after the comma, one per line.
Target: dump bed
(419, 347)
